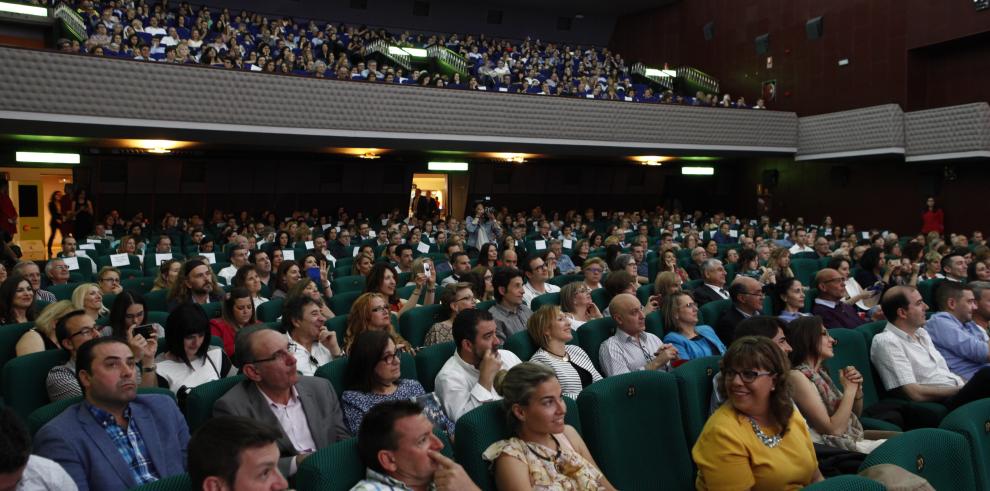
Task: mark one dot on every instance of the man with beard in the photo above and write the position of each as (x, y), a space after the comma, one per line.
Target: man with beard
(194, 284)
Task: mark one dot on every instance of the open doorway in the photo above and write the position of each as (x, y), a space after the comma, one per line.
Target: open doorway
(31, 189)
(434, 186)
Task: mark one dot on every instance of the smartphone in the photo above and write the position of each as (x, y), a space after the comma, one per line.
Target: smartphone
(426, 269)
(144, 331)
(314, 274)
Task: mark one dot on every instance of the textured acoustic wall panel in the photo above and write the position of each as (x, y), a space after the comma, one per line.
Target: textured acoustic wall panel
(869, 131)
(57, 87)
(948, 132)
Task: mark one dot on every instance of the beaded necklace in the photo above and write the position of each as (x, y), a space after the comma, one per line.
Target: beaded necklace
(769, 441)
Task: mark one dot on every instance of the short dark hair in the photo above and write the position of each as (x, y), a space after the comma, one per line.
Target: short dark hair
(736, 289)
(618, 281)
(399, 249)
(870, 259)
(894, 299)
(253, 256)
(84, 355)
(61, 330)
(215, 448)
(760, 325)
(947, 290)
(779, 290)
(377, 431)
(457, 255)
(947, 259)
(804, 336)
(465, 326)
(365, 352)
(501, 278)
(15, 442)
(292, 310)
(836, 262)
(243, 346)
(187, 319)
(526, 264)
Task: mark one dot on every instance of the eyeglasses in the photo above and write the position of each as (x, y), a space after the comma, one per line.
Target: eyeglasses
(281, 355)
(594, 270)
(584, 289)
(542, 266)
(376, 310)
(748, 376)
(110, 280)
(755, 294)
(86, 331)
(391, 357)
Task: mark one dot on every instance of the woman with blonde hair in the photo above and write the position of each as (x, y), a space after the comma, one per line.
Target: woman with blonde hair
(362, 264)
(575, 301)
(88, 297)
(666, 283)
(593, 269)
(550, 329)
(780, 263)
(41, 337)
(168, 272)
(370, 311)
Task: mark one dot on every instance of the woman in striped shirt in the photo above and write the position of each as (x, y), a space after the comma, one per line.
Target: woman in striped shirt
(550, 329)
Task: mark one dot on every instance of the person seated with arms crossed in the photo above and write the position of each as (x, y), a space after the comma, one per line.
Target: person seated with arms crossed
(234, 453)
(544, 452)
(680, 319)
(21, 471)
(631, 348)
(832, 414)
(964, 344)
(373, 376)
(397, 446)
(906, 358)
(467, 379)
(305, 409)
(550, 329)
(115, 439)
(756, 440)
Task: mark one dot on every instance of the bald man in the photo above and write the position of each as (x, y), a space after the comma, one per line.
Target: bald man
(829, 304)
(631, 348)
(747, 299)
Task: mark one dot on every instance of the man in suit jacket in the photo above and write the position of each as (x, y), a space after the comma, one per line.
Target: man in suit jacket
(747, 300)
(698, 256)
(88, 439)
(714, 287)
(304, 408)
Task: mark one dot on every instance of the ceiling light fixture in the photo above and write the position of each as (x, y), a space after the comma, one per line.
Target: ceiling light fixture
(47, 158)
(698, 171)
(17, 8)
(369, 155)
(158, 150)
(447, 166)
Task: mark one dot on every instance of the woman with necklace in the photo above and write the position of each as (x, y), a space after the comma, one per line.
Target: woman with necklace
(756, 440)
(550, 329)
(544, 453)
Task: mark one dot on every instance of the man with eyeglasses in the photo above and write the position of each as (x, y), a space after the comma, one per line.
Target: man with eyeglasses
(305, 409)
(747, 299)
(57, 272)
(32, 272)
(631, 348)
(74, 329)
(537, 274)
(829, 304)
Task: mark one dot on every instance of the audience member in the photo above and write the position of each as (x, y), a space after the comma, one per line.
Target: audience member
(235, 453)
(747, 300)
(680, 320)
(550, 330)
(510, 311)
(537, 274)
(30, 271)
(238, 258)
(714, 283)
(109, 279)
(461, 265)
(247, 277)
(829, 305)
(237, 313)
(168, 272)
(189, 360)
(383, 280)
(21, 471)
(88, 297)
(370, 312)
(56, 272)
(592, 270)
(788, 299)
(195, 284)
(455, 297)
(16, 300)
(310, 342)
(963, 344)
(631, 348)
(42, 337)
(575, 301)
(954, 267)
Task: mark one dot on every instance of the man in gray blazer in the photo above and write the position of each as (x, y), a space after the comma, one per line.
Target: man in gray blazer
(304, 408)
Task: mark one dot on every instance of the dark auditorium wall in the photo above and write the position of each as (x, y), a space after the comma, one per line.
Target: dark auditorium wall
(889, 45)
(446, 16)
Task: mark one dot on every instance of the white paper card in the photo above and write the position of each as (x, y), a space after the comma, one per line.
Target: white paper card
(337, 228)
(71, 262)
(160, 258)
(432, 240)
(210, 256)
(541, 244)
(355, 251)
(677, 226)
(866, 235)
(423, 247)
(308, 244)
(288, 255)
(384, 222)
(503, 89)
(828, 231)
(81, 253)
(326, 226)
(733, 233)
(93, 241)
(88, 247)
(568, 244)
(119, 260)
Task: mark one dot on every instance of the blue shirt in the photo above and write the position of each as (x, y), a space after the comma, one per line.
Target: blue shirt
(964, 346)
(129, 443)
(706, 343)
(565, 264)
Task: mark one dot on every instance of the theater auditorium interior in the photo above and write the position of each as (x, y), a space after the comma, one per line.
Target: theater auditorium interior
(433, 244)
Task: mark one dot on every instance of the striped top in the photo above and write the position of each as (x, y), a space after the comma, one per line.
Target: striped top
(567, 375)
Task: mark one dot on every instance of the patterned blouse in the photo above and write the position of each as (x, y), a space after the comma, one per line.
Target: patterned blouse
(441, 332)
(832, 397)
(568, 472)
(357, 404)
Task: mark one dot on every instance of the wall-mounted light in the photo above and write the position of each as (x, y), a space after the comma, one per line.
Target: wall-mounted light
(47, 158)
(158, 150)
(698, 171)
(16, 8)
(652, 160)
(369, 156)
(447, 166)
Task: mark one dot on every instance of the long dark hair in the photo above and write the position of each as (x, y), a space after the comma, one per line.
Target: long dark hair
(804, 334)
(118, 311)
(779, 290)
(365, 352)
(283, 270)
(7, 292)
(377, 276)
(237, 293)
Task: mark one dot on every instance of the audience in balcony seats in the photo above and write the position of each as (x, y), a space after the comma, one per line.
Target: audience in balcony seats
(747, 300)
(537, 274)
(234, 449)
(510, 311)
(42, 337)
(906, 358)
(829, 304)
(963, 344)
(237, 313)
(195, 284)
(455, 297)
(713, 289)
(306, 409)
(238, 259)
(17, 300)
(373, 376)
(680, 320)
(782, 455)
(312, 344)
(832, 413)
(550, 330)
(953, 267)
(631, 348)
(467, 379)
(87, 297)
(84, 438)
(397, 446)
(543, 451)
(788, 299)
(30, 271)
(189, 360)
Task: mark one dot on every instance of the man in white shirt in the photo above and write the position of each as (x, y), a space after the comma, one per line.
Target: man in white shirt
(954, 267)
(461, 264)
(906, 358)
(467, 380)
(21, 471)
(536, 276)
(238, 258)
(801, 243)
(631, 348)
